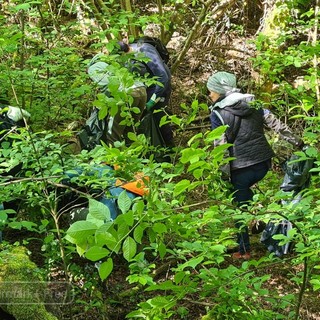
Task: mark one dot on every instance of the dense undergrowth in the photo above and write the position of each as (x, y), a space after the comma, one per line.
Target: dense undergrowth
(165, 256)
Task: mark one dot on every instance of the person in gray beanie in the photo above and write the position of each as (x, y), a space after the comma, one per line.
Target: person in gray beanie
(250, 149)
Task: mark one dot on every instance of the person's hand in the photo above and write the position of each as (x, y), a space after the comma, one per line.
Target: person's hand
(153, 100)
(150, 104)
(16, 114)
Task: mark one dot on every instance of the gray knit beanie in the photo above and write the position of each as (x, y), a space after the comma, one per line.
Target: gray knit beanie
(222, 82)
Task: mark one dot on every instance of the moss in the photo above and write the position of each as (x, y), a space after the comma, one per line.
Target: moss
(22, 289)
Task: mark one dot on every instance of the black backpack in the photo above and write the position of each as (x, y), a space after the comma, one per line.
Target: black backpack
(161, 48)
(92, 132)
(273, 228)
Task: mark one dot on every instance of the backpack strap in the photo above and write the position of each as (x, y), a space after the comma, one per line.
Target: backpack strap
(236, 122)
(236, 126)
(218, 115)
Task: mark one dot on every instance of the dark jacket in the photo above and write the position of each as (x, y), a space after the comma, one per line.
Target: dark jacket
(246, 129)
(157, 68)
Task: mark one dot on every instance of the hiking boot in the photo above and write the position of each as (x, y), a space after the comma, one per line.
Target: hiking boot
(244, 256)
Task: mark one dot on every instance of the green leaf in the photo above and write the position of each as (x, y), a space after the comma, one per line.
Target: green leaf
(98, 210)
(81, 249)
(28, 225)
(219, 248)
(3, 217)
(315, 283)
(128, 218)
(186, 155)
(191, 263)
(181, 186)
(216, 133)
(159, 228)
(101, 235)
(111, 242)
(124, 202)
(105, 269)
(96, 253)
(23, 6)
(138, 207)
(81, 230)
(15, 225)
(138, 234)
(162, 250)
(178, 277)
(129, 248)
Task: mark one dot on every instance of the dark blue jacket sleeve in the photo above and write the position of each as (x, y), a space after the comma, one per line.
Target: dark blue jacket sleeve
(157, 67)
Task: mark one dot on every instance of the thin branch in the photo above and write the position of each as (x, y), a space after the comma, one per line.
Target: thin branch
(217, 12)
(314, 42)
(15, 180)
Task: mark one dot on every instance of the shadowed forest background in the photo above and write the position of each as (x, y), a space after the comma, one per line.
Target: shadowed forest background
(165, 256)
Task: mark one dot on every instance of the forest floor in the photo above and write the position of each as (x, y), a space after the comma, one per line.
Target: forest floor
(119, 297)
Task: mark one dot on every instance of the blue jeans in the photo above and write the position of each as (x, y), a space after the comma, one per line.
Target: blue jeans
(242, 180)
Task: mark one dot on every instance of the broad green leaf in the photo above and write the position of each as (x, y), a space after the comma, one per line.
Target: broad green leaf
(81, 249)
(104, 228)
(181, 186)
(105, 269)
(98, 210)
(198, 173)
(129, 248)
(218, 248)
(315, 283)
(102, 235)
(3, 217)
(124, 202)
(138, 234)
(216, 133)
(23, 6)
(96, 253)
(123, 229)
(132, 136)
(178, 277)
(159, 228)
(162, 250)
(138, 207)
(15, 225)
(80, 230)
(128, 218)
(186, 155)
(111, 242)
(28, 225)
(191, 263)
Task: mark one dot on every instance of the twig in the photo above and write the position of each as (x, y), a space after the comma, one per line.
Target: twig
(7, 133)
(198, 127)
(314, 43)
(196, 26)
(19, 180)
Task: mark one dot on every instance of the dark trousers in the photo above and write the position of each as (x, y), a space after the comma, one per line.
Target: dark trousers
(166, 129)
(242, 180)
